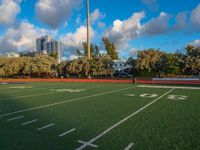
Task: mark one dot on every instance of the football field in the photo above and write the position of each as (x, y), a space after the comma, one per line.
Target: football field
(102, 116)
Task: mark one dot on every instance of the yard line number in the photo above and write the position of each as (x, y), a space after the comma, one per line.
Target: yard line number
(152, 95)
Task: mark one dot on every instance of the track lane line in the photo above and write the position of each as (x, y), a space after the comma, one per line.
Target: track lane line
(63, 102)
(121, 121)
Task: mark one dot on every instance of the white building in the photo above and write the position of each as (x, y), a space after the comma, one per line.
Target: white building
(120, 66)
(12, 55)
(46, 44)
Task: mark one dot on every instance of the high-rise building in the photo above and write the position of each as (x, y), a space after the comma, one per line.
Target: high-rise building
(46, 44)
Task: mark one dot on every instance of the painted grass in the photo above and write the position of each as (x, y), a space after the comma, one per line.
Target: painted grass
(166, 124)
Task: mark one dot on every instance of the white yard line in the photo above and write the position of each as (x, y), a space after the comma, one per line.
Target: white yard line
(29, 122)
(47, 126)
(121, 121)
(128, 147)
(88, 144)
(169, 87)
(65, 133)
(33, 95)
(15, 118)
(35, 89)
(63, 102)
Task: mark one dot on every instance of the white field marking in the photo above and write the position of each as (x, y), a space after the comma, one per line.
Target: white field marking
(122, 121)
(170, 87)
(29, 122)
(131, 95)
(148, 95)
(4, 83)
(177, 97)
(15, 118)
(88, 144)
(63, 102)
(20, 87)
(33, 95)
(128, 147)
(65, 133)
(68, 90)
(47, 126)
(33, 89)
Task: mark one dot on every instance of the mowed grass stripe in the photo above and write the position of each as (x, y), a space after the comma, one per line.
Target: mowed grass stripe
(121, 121)
(63, 102)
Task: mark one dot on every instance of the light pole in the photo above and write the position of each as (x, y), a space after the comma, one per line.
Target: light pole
(88, 30)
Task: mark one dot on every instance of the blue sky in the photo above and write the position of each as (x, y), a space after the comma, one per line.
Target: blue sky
(132, 24)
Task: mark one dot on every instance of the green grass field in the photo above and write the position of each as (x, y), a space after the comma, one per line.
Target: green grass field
(69, 116)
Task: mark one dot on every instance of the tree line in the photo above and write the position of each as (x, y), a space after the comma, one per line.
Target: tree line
(156, 63)
(148, 63)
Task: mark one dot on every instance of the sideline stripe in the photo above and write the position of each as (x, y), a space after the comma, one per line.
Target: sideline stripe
(65, 133)
(129, 146)
(63, 102)
(29, 122)
(47, 126)
(169, 87)
(11, 119)
(122, 121)
(33, 95)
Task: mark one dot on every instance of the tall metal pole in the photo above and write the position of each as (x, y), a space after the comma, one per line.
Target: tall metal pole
(88, 30)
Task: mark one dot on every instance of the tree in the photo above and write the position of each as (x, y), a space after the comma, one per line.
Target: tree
(149, 60)
(132, 63)
(192, 60)
(110, 48)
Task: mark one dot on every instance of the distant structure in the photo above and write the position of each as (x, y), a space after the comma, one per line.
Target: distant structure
(12, 55)
(120, 66)
(47, 45)
(31, 54)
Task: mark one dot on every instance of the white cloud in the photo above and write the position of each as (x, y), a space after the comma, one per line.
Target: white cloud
(78, 19)
(122, 32)
(72, 41)
(56, 12)
(196, 42)
(157, 25)
(96, 15)
(180, 19)
(101, 25)
(9, 10)
(21, 38)
(133, 52)
(195, 18)
(152, 4)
